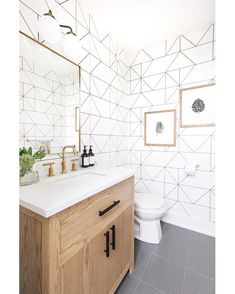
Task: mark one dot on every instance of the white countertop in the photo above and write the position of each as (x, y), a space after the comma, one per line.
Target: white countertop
(57, 193)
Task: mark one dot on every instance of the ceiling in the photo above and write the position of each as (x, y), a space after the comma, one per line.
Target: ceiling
(136, 24)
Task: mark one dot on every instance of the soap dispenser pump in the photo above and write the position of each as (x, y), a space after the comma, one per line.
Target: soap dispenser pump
(91, 157)
(84, 158)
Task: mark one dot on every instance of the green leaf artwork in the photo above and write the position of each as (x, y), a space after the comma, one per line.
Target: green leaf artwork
(159, 127)
(198, 105)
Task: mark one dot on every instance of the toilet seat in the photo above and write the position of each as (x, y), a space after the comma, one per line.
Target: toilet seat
(148, 201)
(151, 211)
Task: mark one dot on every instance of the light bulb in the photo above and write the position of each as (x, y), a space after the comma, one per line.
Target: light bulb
(71, 45)
(49, 29)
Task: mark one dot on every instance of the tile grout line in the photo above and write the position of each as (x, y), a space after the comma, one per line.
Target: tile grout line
(186, 261)
(180, 265)
(137, 284)
(199, 274)
(142, 281)
(144, 273)
(183, 281)
(144, 268)
(125, 277)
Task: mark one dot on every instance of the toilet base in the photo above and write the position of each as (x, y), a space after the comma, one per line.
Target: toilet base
(148, 231)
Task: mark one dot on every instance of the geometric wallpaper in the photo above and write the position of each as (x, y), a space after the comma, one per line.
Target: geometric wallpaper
(114, 97)
(47, 106)
(103, 82)
(157, 75)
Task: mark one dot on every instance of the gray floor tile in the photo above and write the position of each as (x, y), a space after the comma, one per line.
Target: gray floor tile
(164, 275)
(177, 232)
(179, 248)
(145, 246)
(128, 285)
(142, 258)
(203, 241)
(169, 248)
(196, 284)
(144, 288)
(201, 255)
(172, 249)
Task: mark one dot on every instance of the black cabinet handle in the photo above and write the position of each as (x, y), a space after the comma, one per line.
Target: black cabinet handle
(107, 243)
(113, 243)
(102, 212)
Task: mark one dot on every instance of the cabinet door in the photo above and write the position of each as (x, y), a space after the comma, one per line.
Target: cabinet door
(120, 248)
(93, 270)
(96, 264)
(73, 276)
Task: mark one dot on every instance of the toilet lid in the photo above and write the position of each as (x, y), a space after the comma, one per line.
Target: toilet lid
(149, 201)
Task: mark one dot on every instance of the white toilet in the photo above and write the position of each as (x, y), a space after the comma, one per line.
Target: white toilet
(149, 208)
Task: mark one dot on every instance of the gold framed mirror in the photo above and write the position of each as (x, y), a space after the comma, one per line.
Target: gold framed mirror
(49, 101)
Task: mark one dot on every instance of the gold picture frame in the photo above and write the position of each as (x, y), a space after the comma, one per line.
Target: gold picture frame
(171, 128)
(181, 98)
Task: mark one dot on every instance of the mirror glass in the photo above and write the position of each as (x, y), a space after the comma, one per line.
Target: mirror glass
(49, 98)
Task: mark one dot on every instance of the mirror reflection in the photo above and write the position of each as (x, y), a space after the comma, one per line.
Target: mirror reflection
(49, 98)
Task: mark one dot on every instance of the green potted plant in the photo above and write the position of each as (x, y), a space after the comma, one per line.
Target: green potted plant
(28, 175)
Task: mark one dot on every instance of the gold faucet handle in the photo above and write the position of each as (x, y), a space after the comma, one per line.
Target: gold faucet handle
(74, 165)
(50, 170)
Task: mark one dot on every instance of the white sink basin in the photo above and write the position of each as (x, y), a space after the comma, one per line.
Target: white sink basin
(77, 178)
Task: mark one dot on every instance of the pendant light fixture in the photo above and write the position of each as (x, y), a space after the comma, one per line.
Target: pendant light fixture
(71, 44)
(49, 28)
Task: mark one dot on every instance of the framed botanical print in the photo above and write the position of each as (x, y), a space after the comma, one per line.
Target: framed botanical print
(197, 106)
(160, 128)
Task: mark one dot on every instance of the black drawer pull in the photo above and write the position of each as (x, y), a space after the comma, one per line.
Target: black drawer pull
(102, 212)
(113, 243)
(107, 243)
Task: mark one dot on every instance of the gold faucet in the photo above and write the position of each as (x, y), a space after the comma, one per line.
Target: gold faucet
(46, 148)
(63, 163)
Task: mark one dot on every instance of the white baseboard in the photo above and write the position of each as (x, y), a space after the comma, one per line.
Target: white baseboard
(191, 224)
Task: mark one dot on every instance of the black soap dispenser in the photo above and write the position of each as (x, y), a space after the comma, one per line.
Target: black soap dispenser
(91, 157)
(84, 158)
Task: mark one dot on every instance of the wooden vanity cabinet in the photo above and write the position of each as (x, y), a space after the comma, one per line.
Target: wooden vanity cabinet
(78, 251)
(106, 273)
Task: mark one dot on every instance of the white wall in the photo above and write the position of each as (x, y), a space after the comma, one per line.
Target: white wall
(104, 87)
(114, 98)
(157, 74)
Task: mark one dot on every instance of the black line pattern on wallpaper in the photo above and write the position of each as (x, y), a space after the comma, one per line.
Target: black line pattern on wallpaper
(155, 82)
(115, 96)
